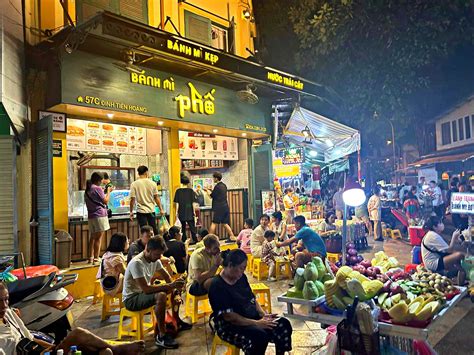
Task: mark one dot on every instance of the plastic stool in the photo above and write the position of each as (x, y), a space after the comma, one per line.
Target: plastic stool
(98, 292)
(333, 257)
(395, 234)
(263, 296)
(260, 269)
(138, 328)
(386, 232)
(249, 262)
(111, 305)
(286, 266)
(231, 349)
(192, 308)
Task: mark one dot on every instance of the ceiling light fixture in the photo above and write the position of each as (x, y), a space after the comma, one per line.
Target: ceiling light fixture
(313, 153)
(215, 130)
(306, 132)
(110, 116)
(246, 14)
(160, 123)
(244, 134)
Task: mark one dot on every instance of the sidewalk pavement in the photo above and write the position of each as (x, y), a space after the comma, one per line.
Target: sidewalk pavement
(448, 334)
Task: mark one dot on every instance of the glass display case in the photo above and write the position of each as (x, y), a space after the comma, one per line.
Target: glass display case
(77, 207)
(120, 177)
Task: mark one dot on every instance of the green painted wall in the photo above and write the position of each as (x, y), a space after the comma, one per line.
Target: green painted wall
(94, 81)
(4, 122)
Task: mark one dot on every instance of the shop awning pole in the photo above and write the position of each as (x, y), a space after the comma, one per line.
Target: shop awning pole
(359, 173)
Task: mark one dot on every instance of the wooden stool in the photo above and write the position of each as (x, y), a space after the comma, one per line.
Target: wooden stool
(138, 328)
(396, 234)
(333, 257)
(195, 311)
(111, 305)
(285, 265)
(260, 269)
(231, 349)
(262, 295)
(249, 262)
(98, 292)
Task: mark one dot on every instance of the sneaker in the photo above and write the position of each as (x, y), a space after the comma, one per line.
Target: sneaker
(271, 279)
(166, 342)
(184, 326)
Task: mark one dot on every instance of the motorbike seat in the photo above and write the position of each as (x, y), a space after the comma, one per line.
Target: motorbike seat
(20, 289)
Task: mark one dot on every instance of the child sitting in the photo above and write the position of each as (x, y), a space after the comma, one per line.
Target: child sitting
(269, 253)
(243, 240)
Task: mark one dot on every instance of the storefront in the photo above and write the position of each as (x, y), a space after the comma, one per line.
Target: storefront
(163, 113)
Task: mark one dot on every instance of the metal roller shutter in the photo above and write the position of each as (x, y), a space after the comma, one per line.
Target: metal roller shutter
(8, 225)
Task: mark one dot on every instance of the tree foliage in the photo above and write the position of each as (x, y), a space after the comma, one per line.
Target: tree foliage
(379, 55)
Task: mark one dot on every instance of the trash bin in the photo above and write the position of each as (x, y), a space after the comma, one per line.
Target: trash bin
(63, 242)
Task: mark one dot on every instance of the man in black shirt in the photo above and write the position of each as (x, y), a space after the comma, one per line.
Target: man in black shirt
(184, 198)
(220, 207)
(135, 248)
(176, 248)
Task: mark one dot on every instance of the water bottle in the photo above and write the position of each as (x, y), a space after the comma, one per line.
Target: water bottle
(73, 350)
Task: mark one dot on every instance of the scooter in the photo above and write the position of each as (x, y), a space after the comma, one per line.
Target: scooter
(44, 303)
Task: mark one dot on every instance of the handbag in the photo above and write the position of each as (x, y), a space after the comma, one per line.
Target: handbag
(109, 283)
(103, 205)
(29, 347)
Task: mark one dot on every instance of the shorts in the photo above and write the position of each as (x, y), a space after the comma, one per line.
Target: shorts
(139, 301)
(196, 289)
(221, 215)
(99, 224)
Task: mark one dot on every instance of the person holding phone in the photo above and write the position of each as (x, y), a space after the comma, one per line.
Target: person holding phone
(238, 318)
(140, 292)
(439, 256)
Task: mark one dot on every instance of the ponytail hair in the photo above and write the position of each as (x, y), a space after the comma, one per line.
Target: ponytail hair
(233, 258)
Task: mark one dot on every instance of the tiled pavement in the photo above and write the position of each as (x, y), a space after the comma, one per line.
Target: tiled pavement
(307, 336)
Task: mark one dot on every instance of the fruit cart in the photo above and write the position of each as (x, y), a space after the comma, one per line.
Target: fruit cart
(399, 336)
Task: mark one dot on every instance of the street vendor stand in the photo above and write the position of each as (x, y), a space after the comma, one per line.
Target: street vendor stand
(396, 335)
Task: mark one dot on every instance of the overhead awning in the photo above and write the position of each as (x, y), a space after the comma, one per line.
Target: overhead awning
(443, 159)
(331, 139)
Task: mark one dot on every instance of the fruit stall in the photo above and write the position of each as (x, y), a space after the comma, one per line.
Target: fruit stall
(404, 306)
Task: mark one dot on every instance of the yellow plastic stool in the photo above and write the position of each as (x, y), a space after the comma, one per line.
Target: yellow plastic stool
(138, 327)
(260, 269)
(98, 292)
(333, 257)
(194, 310)
(386, 232)
(231, 349)
(111, 305)
(396, 234)
(282, 269)
(263, 296)
(249, 262)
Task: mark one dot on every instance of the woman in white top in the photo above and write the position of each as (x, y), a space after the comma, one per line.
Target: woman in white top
(279, 226)
(437, 255)
(374, 206)
(327, 226)
(113, 265)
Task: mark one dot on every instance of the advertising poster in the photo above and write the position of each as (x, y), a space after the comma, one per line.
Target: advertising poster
(268, 202)
(462, 203)
(194, 145)
(203, 183)
(105, 137)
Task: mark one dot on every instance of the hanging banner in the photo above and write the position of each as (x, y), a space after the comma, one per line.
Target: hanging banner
(194, 145)
(462, 203)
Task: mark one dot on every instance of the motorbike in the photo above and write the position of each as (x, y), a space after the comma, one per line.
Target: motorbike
(44, 303)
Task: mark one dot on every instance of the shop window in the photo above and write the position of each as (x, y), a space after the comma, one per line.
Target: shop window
(198, 28)
(446, 133)
(133, 9)
(454, 128)
(467, 127)
(461, 129)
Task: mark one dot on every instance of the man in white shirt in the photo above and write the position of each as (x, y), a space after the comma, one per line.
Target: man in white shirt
(12, 330)
(145, 193)
(140, 292)
(435, 192)
(374, 207)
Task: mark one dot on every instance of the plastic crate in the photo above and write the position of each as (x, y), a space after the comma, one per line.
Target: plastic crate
(416, 235)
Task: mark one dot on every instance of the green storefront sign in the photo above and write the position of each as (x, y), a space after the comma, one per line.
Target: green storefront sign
(95, 81)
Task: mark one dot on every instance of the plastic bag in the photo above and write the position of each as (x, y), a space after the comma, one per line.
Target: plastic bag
(163, 225)
(178, 223)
